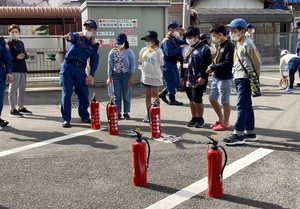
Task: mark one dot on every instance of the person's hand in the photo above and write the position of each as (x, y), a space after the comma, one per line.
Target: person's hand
(21, 56)
(182, 46)
(67, 37)
(108, 81)
(200, 81)
(88, 80)
(182, 80)
(9, 77)
(130, 82)
(208, 71)
(283, 76)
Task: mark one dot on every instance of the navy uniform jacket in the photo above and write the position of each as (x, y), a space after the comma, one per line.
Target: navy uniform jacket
(80, 49)
(171, 49)
(5, 56)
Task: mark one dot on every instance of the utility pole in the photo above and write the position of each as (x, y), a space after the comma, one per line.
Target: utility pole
(186, 13)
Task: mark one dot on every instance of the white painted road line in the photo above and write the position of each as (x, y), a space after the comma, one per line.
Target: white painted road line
(46, 142)
(276, 79)
(201, 185)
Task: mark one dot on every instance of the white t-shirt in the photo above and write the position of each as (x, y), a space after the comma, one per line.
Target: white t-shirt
(150, 65)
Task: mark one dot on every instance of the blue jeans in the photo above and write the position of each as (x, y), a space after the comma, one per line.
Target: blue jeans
(245, 115)
(122, 91)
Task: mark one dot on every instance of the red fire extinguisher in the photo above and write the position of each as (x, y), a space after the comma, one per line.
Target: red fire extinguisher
(112, 117)
(215, 168)
(154, 118)
(140, 161)
(95, 114)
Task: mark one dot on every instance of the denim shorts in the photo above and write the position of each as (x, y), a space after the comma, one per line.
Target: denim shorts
(220, 88)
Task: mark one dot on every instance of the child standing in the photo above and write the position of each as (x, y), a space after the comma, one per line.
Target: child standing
(121, 68)
(150, 62)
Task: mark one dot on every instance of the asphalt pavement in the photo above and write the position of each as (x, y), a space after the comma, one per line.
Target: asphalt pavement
(45, 166)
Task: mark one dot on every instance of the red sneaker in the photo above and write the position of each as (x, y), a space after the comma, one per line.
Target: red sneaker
(215, 124)
(221, 127)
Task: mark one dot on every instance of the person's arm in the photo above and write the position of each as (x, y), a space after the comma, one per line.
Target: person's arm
(94, 61)
(6, 56)
(282, 65)
(255, 58)
(170, 50)
(298, 46)
(228, 62)
(131, 61)
(110, 66)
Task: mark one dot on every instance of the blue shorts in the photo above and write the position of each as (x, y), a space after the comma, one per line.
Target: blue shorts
(220, 88)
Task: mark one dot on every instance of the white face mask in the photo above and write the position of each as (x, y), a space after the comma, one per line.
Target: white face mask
(120, 45)
(87, 33)
(191, 41)
(149, 43)
(176, 34)
(15, 36)
(298, 30)
(215, 40)
(234, 37)
(253, 31)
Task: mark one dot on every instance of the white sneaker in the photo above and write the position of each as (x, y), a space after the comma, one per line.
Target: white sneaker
(146, 119)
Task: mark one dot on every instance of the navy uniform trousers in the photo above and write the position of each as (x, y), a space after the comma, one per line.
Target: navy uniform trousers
(73, 75)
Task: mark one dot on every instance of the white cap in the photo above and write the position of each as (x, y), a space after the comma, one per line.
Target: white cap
(284, 52)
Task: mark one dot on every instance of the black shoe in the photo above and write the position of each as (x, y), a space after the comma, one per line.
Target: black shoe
(3, 123)
(15, 113)
(200, 123)
(298, 84)
(66, 124)
(192, 122)
(86, 120)
(24, 111)
(173, 101)
(234, 139)
(163, 95)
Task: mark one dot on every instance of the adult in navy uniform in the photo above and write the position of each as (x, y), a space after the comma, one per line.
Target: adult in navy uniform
(172, 46)
(72, 73)
(5, 73)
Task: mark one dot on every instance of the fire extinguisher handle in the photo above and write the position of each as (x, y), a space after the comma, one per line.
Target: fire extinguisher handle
(225, 161)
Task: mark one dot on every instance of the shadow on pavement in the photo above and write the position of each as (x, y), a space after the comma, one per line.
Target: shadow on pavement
(249, 202)
(32, 136)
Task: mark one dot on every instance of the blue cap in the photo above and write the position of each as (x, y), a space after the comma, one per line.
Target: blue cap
(238, 22)
(250, 25)
(91, 23)
(203, 36)
(173, 24)
(120, 38)
(297, 24)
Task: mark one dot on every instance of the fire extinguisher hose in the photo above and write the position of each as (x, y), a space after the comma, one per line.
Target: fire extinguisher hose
(225, 162)
(107, 112)
(148, 157)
